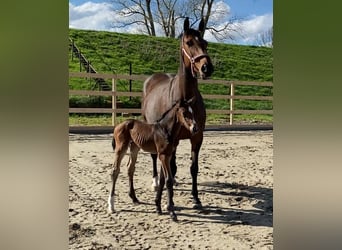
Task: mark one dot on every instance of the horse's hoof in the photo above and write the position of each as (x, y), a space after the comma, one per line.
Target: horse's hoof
(173, 216)
(154, 188)
(196, 205)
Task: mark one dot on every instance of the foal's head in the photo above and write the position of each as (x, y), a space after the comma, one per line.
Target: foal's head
(185, 115)
(194, 50)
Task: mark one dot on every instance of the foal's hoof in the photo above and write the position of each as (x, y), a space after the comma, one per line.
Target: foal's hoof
(111, 210)
(136, 201)
(159, 211)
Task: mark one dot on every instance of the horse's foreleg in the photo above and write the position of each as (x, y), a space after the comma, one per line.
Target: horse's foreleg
(155, 172)
(131, 168)
(195, 148)
(118, 155)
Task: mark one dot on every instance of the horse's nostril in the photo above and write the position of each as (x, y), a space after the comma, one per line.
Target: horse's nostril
(204, 68)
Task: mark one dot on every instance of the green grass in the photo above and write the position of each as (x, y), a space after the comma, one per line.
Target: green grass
(111, 52)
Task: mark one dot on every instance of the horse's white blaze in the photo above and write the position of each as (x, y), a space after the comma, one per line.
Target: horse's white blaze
(190, 110)
(192, 128)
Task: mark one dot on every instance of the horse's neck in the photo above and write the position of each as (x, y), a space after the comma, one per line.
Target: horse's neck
(186, 85)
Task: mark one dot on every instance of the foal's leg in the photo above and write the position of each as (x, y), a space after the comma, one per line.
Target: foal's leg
(160, 191)
(196, 143)
(134, 149)
(155, 172)
(173, 167)
(165, 159)
(118, 156)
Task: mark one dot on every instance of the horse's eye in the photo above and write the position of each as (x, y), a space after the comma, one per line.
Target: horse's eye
(190, 43)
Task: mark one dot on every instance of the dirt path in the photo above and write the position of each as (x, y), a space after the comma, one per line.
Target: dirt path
(235, 187)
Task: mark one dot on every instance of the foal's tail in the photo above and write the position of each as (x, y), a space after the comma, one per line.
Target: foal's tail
(122, 129)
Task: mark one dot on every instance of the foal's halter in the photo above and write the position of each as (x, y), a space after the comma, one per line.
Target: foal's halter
(192, 59)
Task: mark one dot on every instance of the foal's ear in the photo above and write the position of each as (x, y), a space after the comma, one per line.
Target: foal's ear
(186, 24)
(201, 27)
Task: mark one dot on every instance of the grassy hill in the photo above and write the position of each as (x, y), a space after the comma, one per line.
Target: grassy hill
(111, 52)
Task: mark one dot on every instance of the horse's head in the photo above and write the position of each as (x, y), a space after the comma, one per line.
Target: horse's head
(185, 115)
(194, 50)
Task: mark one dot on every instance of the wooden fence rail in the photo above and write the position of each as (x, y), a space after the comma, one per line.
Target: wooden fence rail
(114, 94)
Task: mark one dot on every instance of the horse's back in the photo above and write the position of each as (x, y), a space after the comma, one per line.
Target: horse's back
(156, 80)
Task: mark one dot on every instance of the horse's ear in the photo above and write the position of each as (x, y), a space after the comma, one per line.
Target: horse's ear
(201, 27)
(186, 24)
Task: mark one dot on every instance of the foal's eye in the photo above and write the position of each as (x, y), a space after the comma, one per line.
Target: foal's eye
(190, 43)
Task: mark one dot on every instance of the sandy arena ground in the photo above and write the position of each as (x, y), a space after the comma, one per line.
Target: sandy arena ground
(235, 184)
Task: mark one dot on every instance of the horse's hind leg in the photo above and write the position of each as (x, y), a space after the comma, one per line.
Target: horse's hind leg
(155, 173)
(118, 156)
(134, 149)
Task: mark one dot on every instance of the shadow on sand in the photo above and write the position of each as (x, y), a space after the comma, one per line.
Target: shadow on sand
(230, 212)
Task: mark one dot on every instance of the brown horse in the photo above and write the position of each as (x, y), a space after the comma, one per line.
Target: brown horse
(158, 138)
(161, 90)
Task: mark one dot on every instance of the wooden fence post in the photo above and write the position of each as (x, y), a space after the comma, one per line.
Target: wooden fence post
(231, 103)
(113, 101)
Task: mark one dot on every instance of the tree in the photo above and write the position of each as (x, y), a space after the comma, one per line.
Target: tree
(137, 12)
(215, 18)
(166, 16)
(166, 13)
(265, 38)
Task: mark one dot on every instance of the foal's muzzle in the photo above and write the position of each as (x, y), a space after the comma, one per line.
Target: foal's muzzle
(193, 128)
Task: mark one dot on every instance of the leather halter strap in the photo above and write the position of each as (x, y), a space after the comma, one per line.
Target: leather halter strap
(192, 59)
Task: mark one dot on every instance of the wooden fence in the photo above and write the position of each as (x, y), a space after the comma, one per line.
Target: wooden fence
(114, 94)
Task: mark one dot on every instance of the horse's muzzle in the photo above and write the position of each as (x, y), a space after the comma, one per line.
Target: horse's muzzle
(206, 70)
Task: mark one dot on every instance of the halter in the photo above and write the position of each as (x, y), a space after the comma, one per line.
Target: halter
(192, 59)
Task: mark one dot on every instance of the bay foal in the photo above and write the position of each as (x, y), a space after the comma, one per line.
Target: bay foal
(158, 138)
